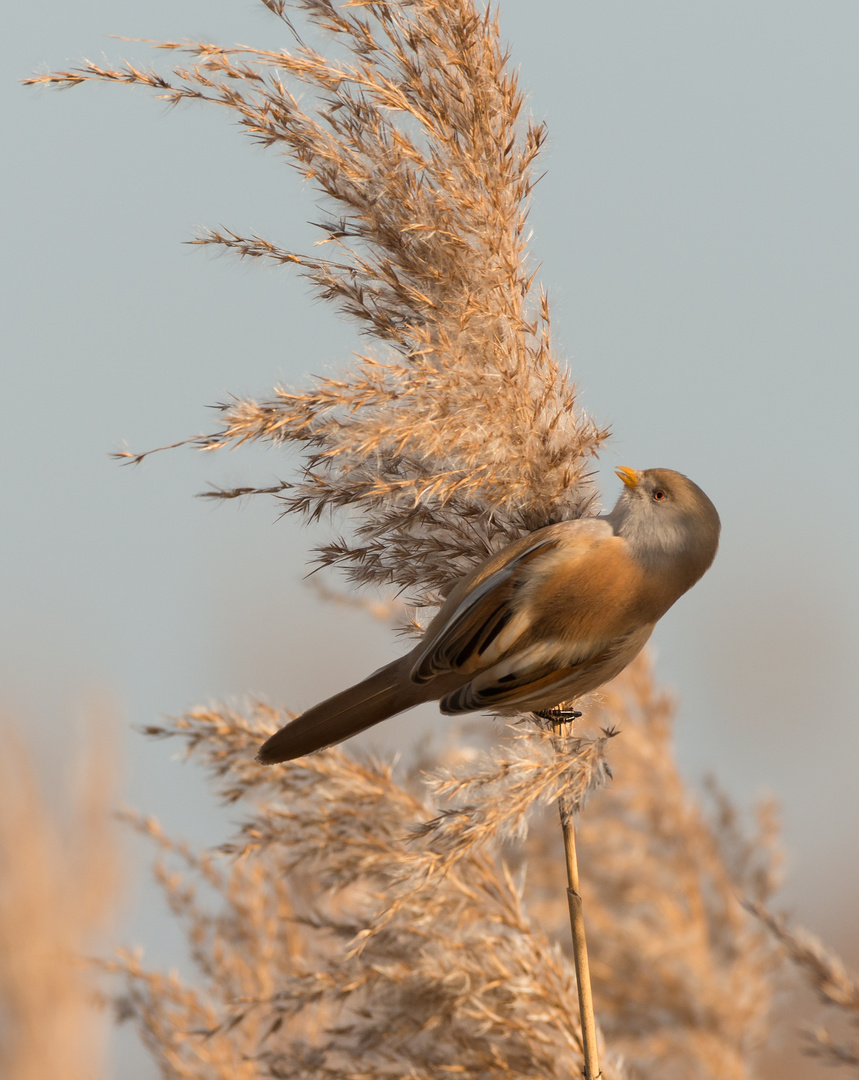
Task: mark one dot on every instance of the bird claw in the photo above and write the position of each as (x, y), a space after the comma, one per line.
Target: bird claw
(558, 716)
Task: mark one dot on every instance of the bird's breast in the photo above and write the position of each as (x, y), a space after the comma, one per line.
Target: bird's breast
(601, 596)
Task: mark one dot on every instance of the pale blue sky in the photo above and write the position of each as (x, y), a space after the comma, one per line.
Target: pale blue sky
(699, 239)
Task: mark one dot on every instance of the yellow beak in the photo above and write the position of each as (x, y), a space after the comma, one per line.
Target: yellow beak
(629, 476)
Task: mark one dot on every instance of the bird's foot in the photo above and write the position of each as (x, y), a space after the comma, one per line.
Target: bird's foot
(561, 721)
(558, 716)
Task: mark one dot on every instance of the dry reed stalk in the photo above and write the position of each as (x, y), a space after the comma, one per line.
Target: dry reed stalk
(580, 946)
(566, 811)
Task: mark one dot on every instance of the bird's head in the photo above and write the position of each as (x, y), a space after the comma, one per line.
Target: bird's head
(667, 520)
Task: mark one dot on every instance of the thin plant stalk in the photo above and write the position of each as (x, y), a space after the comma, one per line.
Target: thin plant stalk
(563, 724)
(580, 947)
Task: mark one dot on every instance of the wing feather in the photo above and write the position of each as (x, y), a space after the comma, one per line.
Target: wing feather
(518, 686)
(541, 675)
(476, 622)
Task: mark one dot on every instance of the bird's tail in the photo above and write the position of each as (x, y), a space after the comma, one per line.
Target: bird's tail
(379, 696)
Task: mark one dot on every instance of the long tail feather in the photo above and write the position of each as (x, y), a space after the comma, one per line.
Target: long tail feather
(379, 696)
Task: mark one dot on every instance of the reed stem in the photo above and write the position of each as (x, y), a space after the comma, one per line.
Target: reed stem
(580, 948)
(562, 723)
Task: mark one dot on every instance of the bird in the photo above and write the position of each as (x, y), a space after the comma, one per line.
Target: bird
(542, 622)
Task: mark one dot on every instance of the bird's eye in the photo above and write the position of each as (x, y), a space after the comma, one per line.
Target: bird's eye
(658, 495)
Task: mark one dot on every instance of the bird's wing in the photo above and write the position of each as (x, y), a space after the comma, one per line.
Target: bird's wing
(483, 620)
(534, 676)
(470, 622)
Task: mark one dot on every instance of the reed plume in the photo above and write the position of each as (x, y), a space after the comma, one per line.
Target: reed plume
(419, 922)
(461, 430)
